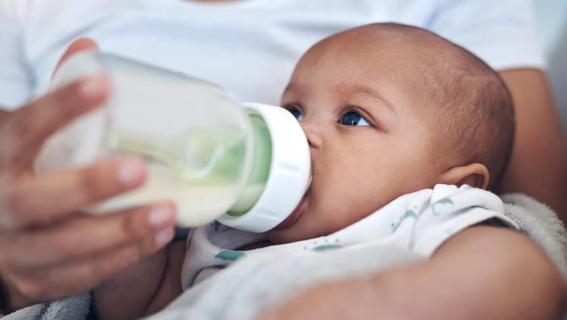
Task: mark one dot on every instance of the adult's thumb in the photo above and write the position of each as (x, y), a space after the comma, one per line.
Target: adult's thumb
(79, 45)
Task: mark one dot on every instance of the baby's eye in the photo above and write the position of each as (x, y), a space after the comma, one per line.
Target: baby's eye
(295, 111)
(353, 118)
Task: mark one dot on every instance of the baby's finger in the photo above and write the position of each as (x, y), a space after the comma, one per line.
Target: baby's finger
(50, 196)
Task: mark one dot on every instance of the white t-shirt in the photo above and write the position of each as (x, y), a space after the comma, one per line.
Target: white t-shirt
(418, 222)
(249, 46)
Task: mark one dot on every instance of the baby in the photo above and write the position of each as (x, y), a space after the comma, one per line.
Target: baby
(388, 110)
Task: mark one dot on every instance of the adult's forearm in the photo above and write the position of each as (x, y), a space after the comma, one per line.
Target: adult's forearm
(480, 274)
(538, 166)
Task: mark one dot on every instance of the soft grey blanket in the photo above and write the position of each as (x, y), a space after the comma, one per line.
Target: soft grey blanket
(253, 284)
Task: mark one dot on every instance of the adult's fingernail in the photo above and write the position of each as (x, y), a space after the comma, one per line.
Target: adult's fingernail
(164, 237)
(130, 172)
(92, 87)
(159, 215)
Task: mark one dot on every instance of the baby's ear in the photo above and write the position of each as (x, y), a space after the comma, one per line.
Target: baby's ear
(475, 175)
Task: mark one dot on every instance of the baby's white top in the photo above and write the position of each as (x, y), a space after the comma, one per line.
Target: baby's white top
(418, 222)
(248, 46)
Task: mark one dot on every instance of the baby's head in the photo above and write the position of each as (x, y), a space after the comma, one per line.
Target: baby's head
(390, 109)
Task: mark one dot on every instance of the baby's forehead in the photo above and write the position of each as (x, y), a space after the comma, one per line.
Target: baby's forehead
(412, 49)
(376, 39)
(414, 68)
(367, 53)
(388, 64)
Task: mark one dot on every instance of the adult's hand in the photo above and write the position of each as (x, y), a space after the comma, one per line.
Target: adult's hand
(48, 248)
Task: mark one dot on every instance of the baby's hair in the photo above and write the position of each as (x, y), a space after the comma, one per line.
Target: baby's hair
(475, 114)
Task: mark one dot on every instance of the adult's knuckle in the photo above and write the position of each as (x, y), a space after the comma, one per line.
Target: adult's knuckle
(10, 248)
(43, 116)
(32, 289)
(65, 99)
(18, 203)
(88, 178)
(99, 268)
(7, 220)
(16, 207)
(63, 248)
(18, 127)
(129, 227)
(93, 182)
(11, 140)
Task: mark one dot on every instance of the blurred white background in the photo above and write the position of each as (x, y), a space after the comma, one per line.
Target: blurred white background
(552, 21)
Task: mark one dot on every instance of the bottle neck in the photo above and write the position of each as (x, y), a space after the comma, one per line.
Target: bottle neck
(260, 167)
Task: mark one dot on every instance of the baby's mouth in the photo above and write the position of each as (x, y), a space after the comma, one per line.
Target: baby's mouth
(295, 215)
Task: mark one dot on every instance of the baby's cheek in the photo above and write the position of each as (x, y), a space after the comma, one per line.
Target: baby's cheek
(336, 202)
(340, 212)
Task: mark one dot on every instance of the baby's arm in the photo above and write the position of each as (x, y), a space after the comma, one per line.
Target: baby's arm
(482, 273)
(144, 288)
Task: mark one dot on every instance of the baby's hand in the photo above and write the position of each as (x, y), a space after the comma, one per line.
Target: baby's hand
(144, 288)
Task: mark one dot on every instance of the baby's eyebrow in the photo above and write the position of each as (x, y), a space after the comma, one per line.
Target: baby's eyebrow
(289, 88)
(293, 87)
(343, 87)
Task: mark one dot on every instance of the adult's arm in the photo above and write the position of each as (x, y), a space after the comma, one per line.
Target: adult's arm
(538, 166)
(504, 34)
(481, 273)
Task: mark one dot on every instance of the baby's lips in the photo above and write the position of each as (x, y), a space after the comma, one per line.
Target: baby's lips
(295, 214)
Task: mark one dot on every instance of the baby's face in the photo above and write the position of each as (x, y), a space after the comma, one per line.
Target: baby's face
(369, 140)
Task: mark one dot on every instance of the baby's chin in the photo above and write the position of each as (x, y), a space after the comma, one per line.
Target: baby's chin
(295, 226)
(297, 231)
(306, 227)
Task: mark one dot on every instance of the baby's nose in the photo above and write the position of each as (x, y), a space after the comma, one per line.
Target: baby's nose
(313, 133)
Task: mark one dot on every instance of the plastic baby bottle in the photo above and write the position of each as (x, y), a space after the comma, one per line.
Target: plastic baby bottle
(246, 165)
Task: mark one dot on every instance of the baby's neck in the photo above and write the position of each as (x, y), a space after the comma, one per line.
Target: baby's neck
(256, 245)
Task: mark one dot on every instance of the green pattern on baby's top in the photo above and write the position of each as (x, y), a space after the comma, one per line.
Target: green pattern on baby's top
(408, 214)
(447, 201)
(216, 225)
(229, 255)
(324, 247)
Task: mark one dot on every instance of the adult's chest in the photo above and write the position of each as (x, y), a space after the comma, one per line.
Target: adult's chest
(249, 47)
